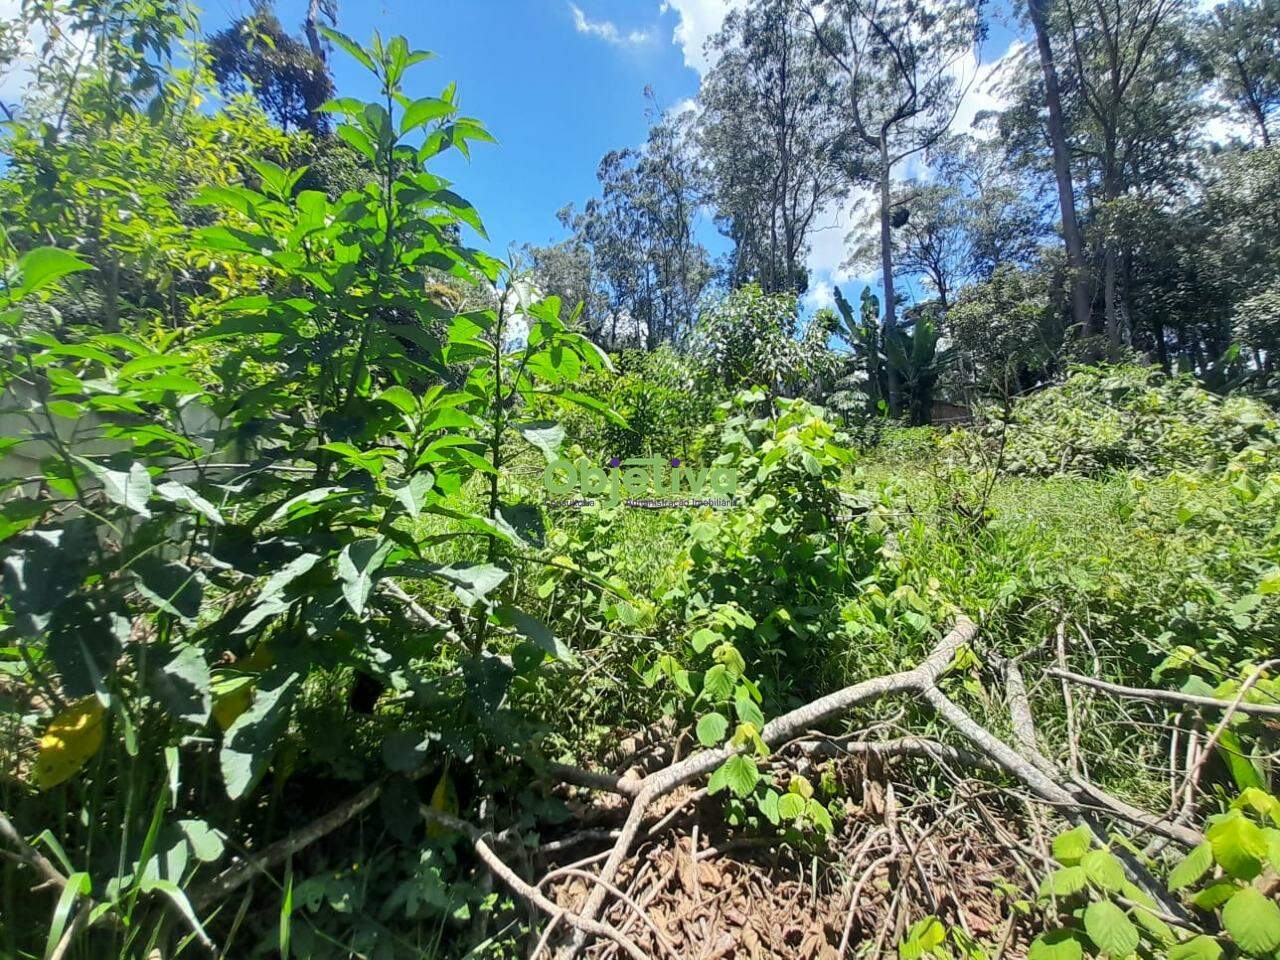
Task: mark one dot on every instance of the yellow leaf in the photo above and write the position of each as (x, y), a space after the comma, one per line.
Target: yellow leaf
(444, 799)
(231, 701)
(72, 737)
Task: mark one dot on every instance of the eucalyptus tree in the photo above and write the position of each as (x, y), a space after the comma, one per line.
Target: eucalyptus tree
(1241, 39)
(899, 67)
(1055, 130)
(1134, 116)
(771, 143)
(256, 54)
(638, 236)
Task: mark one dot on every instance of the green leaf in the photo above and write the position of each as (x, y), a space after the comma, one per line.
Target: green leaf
(1070, 847)
(131, 489)
(1066, 881)
(1104, 870)
(250, 742)
(1239, 845)
(176, 896)
(424, 111)
(404, 751)
(738, 773)
(1110, 929)
(1243, 770)
(791, 806)
(545, 435)
(717, 684)
(172, 586)
(176, 492)
(414, 492)
(78, 885)
(819, 814)
(45, 265)
(1197, 948)
(1056, 945)
(703, 638)
(1193, 866)
(747, 710)
(358, 564)
(206, 842)
(1160, 930)
(711, 729)
(181, 682)
(924, 937)
(535, 631)
(1253, 920)
(472, 584)
(1215, 895)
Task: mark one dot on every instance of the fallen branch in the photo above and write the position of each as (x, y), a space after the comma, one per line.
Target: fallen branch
(1169, 696)
(777, 731)
(240, 872)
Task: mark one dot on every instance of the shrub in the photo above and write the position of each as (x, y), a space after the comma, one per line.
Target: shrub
(1103, 418)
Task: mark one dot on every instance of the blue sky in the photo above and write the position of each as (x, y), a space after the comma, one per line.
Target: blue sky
(560, 84)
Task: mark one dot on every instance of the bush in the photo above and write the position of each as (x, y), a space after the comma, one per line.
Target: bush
(1103, 419)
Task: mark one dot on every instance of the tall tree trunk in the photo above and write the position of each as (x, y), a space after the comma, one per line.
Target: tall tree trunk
(1080, 293)
(1112, 307)
(886, 266)
(311, 27)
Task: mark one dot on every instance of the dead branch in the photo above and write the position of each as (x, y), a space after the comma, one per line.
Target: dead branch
(1169, 696)
(242, 870)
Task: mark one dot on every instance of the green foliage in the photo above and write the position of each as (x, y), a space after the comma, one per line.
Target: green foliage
(160, 585)
(751, 338)
(1102, 419)
(1103, 913)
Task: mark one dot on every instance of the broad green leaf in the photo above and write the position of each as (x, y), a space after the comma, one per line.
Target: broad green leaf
(535, 631)
(1070, 847)
(546, 436)
(358, 565)
(181, 682)
(176, 492)
(1215, 895)
(172, 586)
(206, 842)
(45, 265)
(1103, 870)
(747, 710)
(414, 492)
(424, 111)
(250, 742)
(471, 584)
(711, 729)
(130, 489)
(1056, 945)
(1066, 881)
(703, 638)
(791, 806)
(1253, 920)
(1197, 948)
(1110, 929)
(717, 684)
(1193, 866)
(1239, 845)
(739, 773)
(924, 937)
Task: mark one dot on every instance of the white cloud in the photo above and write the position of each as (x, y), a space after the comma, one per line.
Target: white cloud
(699, 19)
(986, 86)
(606, 30)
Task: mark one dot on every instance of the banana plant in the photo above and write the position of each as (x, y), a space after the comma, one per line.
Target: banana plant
(918, 362)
